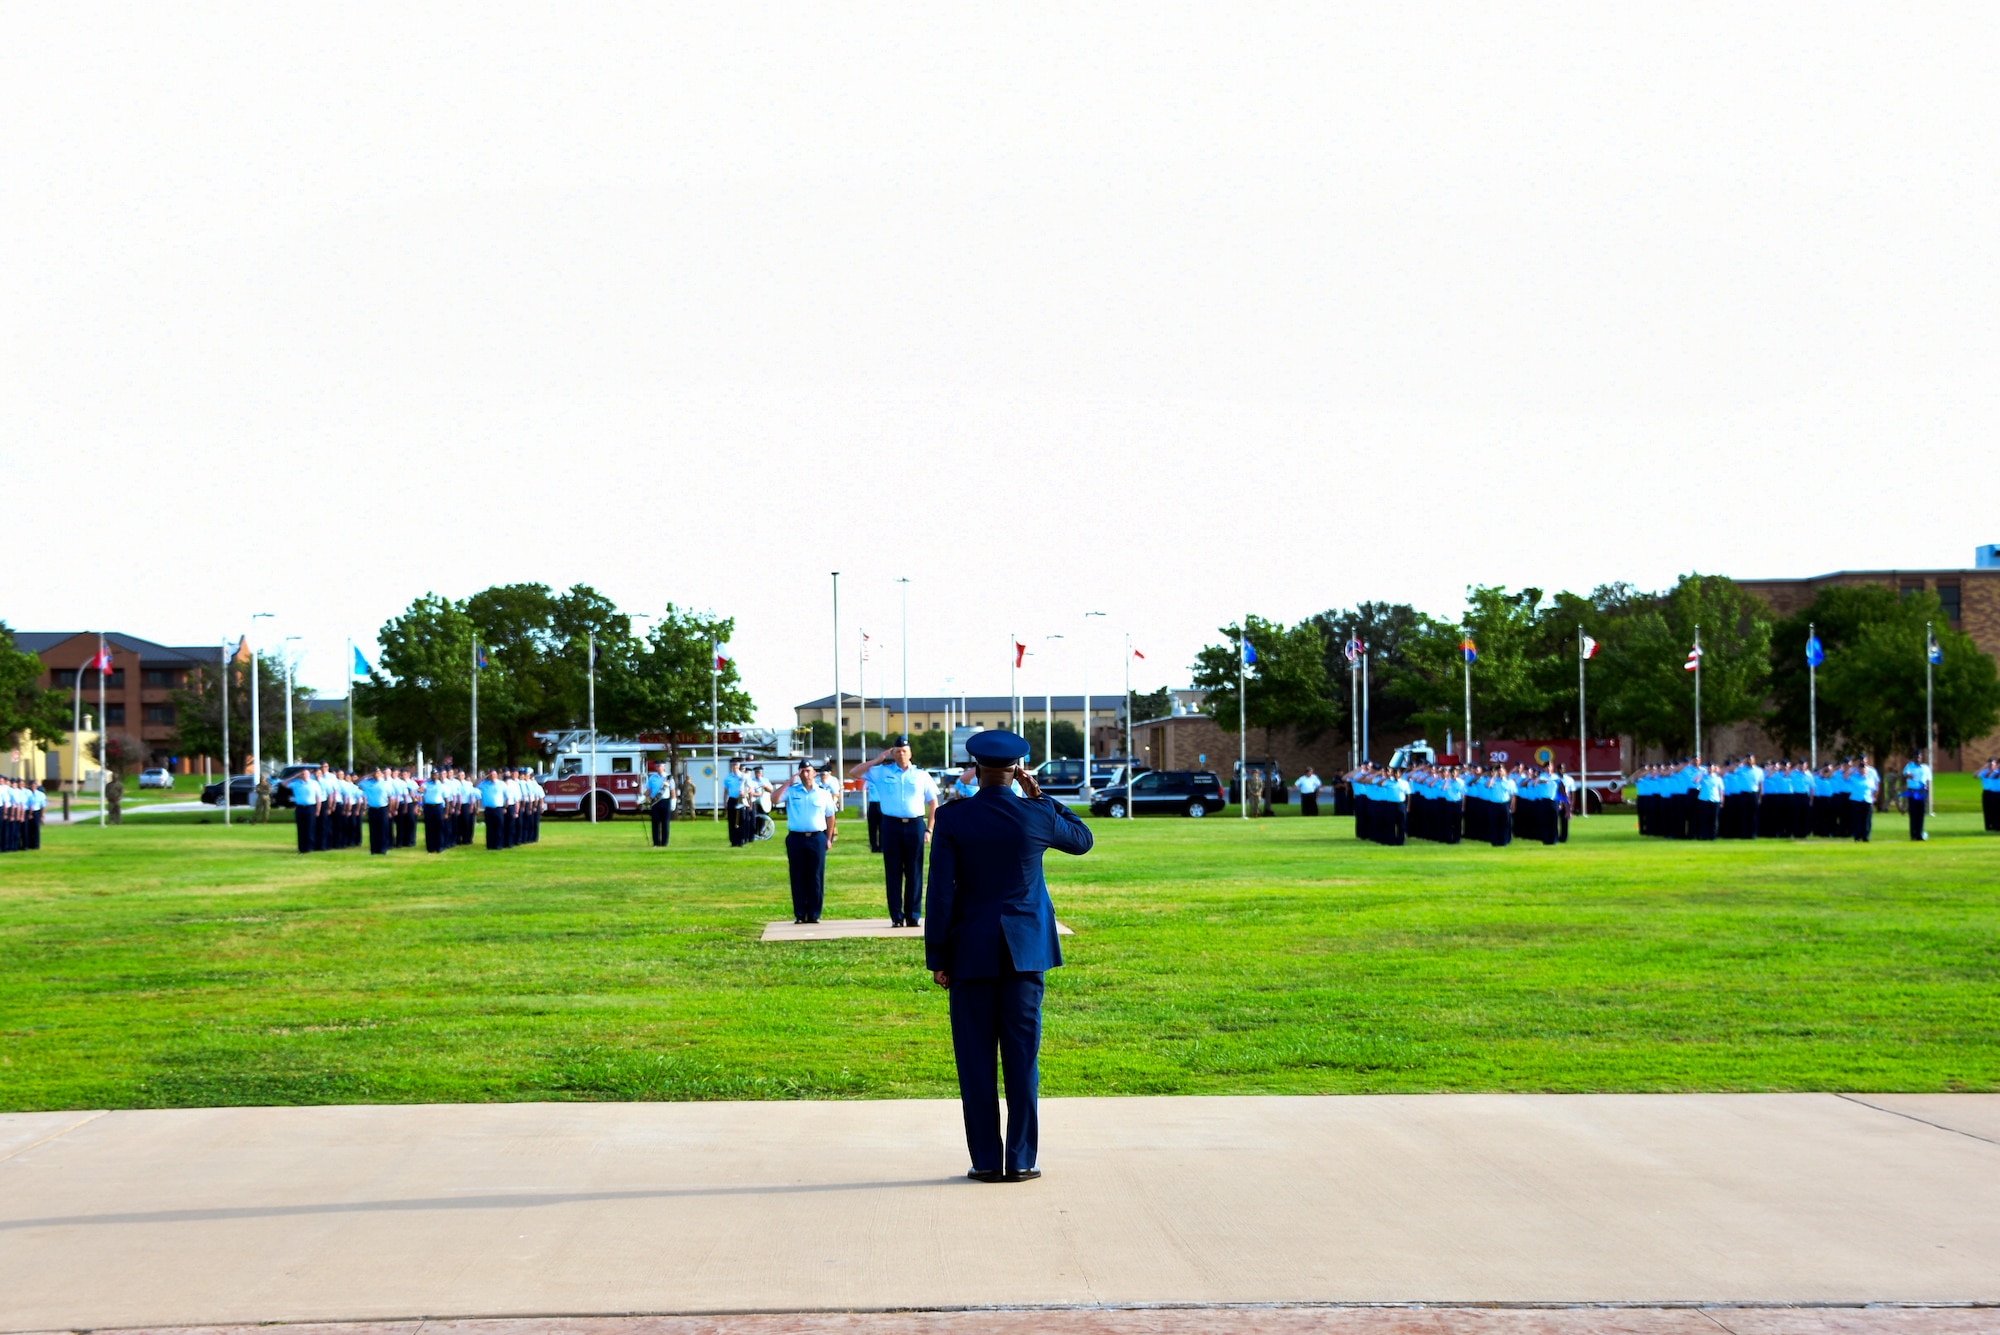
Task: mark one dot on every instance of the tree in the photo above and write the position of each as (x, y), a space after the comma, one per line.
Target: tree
(930, 749)
(1068, 739)
(322, 736)
(1286, 688)
(1512, 694)
(420, 689)
(1386, 629)
(661, 683)
(24, 705)
(1152, 704)
(198, 713)
(1873, 683)
(1838, 614)
(1644, 687)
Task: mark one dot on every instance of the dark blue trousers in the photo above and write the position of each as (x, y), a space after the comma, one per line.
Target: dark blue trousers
(998, 1015)
(903, 866)
(805, 856)
(378, 830)
(496, 829)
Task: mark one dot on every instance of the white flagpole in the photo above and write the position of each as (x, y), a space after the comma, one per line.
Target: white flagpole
(1366, 753)
(1013, 688)
(1354, 711)
(1582, 734)
(350, 704)
(1128, 725)
(104, 743)
(475, 708)
(839, 742)
(1812, 697)
(714, 724)
(904, 581)
(76, 740)
(1930, 725)
(590, 789)
(228, 771)
(861, 679)
(1242, 725)
(1697, 694)
(1465, 664)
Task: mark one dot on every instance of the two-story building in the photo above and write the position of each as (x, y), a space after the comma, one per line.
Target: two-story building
(138, 691)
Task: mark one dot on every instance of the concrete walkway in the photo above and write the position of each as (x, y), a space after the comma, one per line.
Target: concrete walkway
(315, 1214)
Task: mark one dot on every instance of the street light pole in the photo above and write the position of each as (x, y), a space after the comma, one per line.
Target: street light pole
(256, 731)
(1083, 652)
(839, 742)
(590, 789)
(905, 641)
(1048, 710)
(228, 775)
(291, 759)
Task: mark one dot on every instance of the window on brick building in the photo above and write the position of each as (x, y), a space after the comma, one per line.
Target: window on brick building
(160, 714)
(163, 679)
(114, 716)
(1910, 590)
(1948, 594)
(65, 679)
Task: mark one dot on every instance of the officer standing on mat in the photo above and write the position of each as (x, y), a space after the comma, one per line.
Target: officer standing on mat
(990, 937)
(907, 800)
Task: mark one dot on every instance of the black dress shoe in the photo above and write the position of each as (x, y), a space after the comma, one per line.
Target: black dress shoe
(986, 1175)
(1023, 1174)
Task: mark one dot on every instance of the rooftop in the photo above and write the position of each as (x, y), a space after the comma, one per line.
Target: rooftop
(40, 641)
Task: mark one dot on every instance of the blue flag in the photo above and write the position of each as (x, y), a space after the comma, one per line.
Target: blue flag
(1815, 655)
(479, 660)
(1936, 651)
(1468, 650)
(360, 668)
(1249, 653)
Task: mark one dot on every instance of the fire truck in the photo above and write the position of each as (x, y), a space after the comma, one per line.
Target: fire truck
(1604, 778)
(619, 785)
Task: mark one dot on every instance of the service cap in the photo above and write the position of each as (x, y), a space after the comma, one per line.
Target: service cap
(996, 748)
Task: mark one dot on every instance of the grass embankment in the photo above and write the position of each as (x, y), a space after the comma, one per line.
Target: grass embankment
(170, 962)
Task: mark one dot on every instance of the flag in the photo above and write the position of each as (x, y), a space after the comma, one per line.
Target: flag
(596, 652)
(1468, 650)
(1020, 652)
(1815, 652)
(1137, 654)
(1354, 648)
(865, 637)
(101, 663)
(1936, 651)
(478, 659)
(726, 654)
(1694, 659)
(360, 668)
(1249, 653)
(1589, 647)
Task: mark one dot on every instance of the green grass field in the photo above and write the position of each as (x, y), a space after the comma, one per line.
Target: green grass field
(170, 962)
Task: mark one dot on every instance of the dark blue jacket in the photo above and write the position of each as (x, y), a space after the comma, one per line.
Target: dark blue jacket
(987, 886)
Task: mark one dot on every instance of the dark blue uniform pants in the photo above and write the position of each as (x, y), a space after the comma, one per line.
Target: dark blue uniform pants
(1917, 805)
(304, 819)
(805, 854)
(903, 866)
(1002, 1015)
(663, 822)
(496, 829)
(378, 830)
(433, 827)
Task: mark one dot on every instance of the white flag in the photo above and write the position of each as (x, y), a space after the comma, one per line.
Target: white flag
(1589, 647)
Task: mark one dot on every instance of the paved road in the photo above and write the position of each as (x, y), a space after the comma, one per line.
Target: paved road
(301, 1214)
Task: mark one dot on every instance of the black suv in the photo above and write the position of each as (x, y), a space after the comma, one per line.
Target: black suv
(242, 792)
(1164, 792)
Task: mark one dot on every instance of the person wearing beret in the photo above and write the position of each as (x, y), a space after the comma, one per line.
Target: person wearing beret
(989, 938)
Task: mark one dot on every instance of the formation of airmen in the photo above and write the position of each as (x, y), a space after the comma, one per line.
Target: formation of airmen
(22, 802)
(1449, 803)
(332, 809)
(1742, 799)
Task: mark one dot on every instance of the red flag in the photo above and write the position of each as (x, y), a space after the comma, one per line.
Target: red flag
(1020, 652)
(1137, 654)
(101, 663)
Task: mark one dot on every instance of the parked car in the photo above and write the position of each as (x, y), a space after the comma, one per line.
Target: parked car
(242, 792)
(1163, 792)
(281, 793)
(156, 778)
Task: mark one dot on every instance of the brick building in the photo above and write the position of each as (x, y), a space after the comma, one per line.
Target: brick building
(1971, 601)
(138, 691)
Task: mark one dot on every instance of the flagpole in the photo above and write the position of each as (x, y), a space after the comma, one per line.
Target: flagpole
(1013, 687)
(1354, 709)
(475, 706)
(76, 739)
(1242, 724)
(1465, 667)
(350, 704)
(905, 644)
(1365, 749)
(104, 741)
(1128, 726)
(1812, 698)
(714, 722)
(1697, 693)
(1582, 733)
(839, 741)
(227, 772)
(861, 685)
(590, 789)
(1930, 727)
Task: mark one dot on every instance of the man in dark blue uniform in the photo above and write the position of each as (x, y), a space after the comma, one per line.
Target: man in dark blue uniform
(990, 936)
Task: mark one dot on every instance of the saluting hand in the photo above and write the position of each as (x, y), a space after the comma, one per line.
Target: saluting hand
(1029, 788)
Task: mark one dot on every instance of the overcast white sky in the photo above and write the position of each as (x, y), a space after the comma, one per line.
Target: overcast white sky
(1161, 311)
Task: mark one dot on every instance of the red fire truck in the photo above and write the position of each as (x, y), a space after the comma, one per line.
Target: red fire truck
(621, 766)
(1604, 777)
